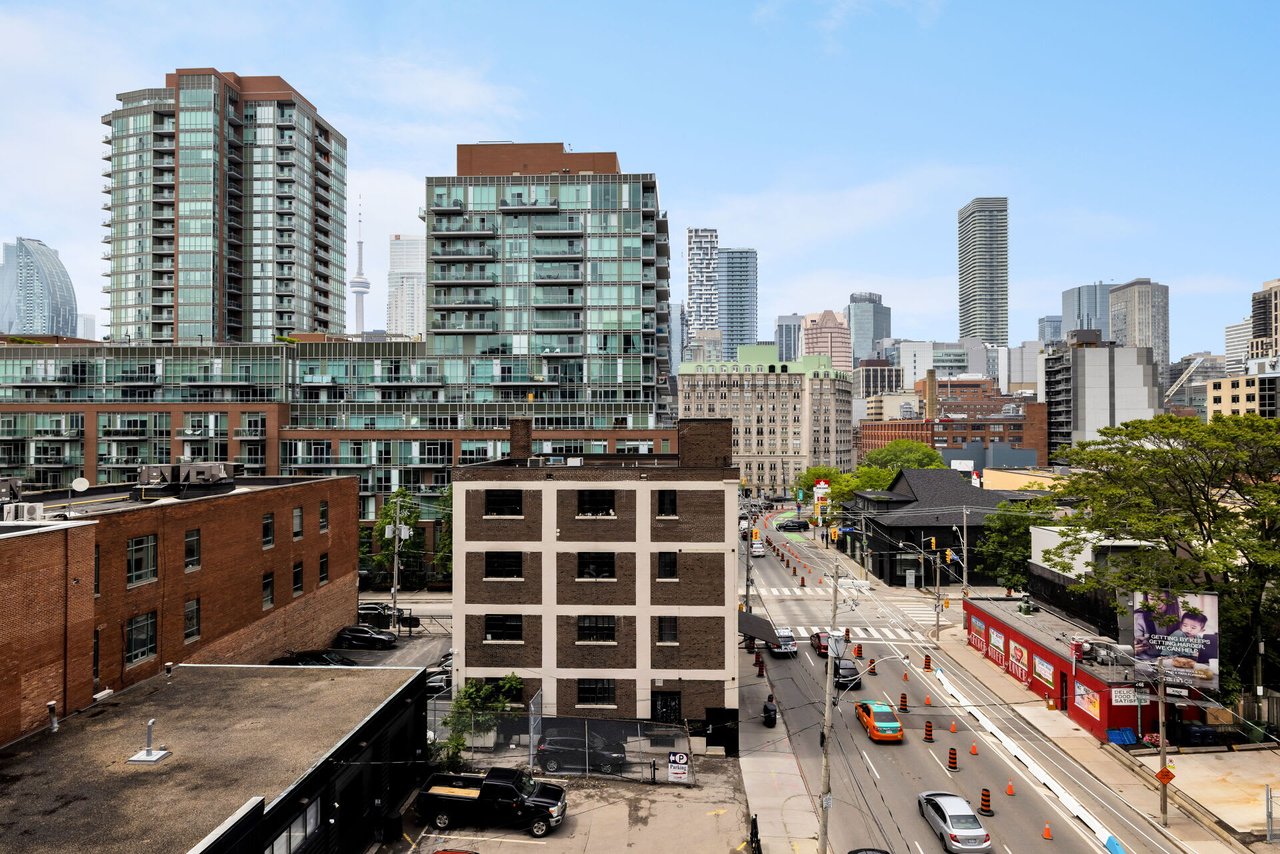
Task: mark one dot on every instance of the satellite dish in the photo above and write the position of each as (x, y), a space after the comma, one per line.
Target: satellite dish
(80, 484)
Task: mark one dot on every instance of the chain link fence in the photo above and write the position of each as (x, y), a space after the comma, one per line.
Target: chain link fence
(619, 748)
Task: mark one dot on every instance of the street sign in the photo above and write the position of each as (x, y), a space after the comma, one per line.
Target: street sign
(1165, 776)
(823, 501)
(1177, 692)
(1129, 697)
(911, 578)
(677, 767)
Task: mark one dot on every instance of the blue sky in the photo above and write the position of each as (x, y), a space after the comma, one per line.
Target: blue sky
(837, 137)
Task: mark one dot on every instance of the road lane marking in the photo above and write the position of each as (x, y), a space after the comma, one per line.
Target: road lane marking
(808, 659)
(918, 848)
(869, 765)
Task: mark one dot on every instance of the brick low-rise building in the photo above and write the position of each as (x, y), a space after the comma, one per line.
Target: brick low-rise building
(1028, 428)
(191, 568)
(608, 585)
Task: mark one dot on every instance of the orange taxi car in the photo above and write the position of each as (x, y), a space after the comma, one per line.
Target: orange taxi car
(880, 721)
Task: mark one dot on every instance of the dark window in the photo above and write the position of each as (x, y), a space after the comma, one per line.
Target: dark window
(503, 627)
(595, 502)
(667, 565)
(666, 502)
(503, 502)
(596, 628)
(324, 568)
(191, 550)
(597, 692)
(596, 565)
(140, 559)
(324, 515)
(140, 638)
(268, 590)
(268, 529)
(297, 578)
(667, 631)
(191, 620)
(297, 523)
(503, 565)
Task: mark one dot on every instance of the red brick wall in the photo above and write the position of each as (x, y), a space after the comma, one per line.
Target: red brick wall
(46, 625)
(234, 625)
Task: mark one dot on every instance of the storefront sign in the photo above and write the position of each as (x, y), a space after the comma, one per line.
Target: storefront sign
(1017, 661)
(1042, 669)
(995, 645)
(1129, 697)
(977, 634)
(1089, 700)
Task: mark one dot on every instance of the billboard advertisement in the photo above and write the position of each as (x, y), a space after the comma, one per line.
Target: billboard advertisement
(1176, 635)
(1089, 700)
(977, 633)
(995, 645)
(1043, 670)
(1018, 661)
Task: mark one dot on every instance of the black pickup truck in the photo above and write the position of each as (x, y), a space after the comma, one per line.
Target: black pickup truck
(506, 797)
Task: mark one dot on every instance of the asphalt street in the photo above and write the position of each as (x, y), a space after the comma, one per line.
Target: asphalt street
(874, 786)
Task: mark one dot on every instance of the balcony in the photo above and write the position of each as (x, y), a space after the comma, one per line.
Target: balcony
(447, 228)
(443, 205)
(554, 298)
(466, 253)
(525, 379)
(464, 326)
(548, 254)
(250, 432)
(522, 205)
(407, 380)
(559, 225)
(464, 276)
(444, 299)
(558, 324)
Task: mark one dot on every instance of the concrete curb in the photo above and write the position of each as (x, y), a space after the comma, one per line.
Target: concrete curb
(1202, 816)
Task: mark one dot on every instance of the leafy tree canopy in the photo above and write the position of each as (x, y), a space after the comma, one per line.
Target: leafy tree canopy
(871, 477)
(904, 454)
(1206, 497)
(1004, 550)
(399, 508)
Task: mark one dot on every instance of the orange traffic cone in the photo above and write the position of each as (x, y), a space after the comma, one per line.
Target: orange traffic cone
(973, 751)
(905, 677)
(1009, 789)
(927, 700)
(953, 726)
(819, 579)
(1047, 833)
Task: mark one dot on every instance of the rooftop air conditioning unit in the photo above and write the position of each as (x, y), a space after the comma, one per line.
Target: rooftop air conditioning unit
(33, 511)
(11, 512)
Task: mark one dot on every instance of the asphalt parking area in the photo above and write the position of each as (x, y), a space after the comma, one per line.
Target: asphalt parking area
(610, 815)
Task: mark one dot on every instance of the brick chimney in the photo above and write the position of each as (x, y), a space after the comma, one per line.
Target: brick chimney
(705, 442)
(521, 438)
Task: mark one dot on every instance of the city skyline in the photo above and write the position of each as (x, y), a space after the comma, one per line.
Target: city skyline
(1084, 212)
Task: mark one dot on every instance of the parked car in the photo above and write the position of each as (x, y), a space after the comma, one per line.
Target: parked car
(315, 658)
(786, 644)
(439, 681)
(959, 829)
(503, 797)
(879, 720)
(818, 640)
(595, 754)
(795, 524)
(363, 637)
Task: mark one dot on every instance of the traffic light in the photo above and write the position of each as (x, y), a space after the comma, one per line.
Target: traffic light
(933, 542)
(948, 555)
(755, 535)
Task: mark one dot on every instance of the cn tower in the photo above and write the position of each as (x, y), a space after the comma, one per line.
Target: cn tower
(359, 284)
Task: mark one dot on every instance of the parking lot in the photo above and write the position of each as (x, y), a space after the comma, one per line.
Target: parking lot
(610, 815)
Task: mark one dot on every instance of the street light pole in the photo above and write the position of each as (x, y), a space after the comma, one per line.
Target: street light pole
(829, 699)
(1164, 787)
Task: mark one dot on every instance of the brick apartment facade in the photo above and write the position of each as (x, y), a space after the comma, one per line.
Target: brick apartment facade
(127, 585)
(1026, 429)
(608, 585)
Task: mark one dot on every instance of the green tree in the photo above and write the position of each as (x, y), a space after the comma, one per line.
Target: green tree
(904, 454)
(1206, 499)
(1004, 549)
(444, 535)
(475, 712)
(815, 473)
(398, 508)
(871, 477)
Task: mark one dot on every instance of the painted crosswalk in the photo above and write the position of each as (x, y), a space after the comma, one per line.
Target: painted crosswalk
(862, 633)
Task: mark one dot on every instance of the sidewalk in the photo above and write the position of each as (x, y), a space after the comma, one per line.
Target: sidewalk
(776, 792)
(1109, 766)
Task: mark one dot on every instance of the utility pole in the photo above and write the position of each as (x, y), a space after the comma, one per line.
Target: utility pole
(937, 600)
(829, 699)
(964, 549)
(749, 576)
(395, 563)
(1164, 787)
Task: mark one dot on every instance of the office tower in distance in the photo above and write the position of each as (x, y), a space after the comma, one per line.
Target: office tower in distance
(736, 300)
(256, 180)
(407, 286)
(788, 334)
(984, 270)
(36, 295)
(1237, 345)
(826, 333)
(1264, 333)
(869, 321)
(87, 326)
(571, 335)
(1140, 318)
(1087, 307)
(703, 259)
(679, 339)
(1050, 329)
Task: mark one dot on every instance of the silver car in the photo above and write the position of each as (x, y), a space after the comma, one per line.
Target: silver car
(955, 822)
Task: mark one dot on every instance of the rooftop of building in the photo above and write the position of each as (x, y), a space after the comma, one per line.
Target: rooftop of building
(532, 158)
(235, 732)
(761, 358)
(1055, 631)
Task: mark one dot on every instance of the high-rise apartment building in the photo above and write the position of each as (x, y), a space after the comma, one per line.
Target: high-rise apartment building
(788, 335)
(737, 299)
(1087, 307)
(869, 321)
(227, 212)
(1236, 346)
(87, 326)
(984, 270)
(703, 264)
(1049, 329)
(407, 286)
(549, 272)
(826, 333)
(36, 295)
(1140, 318)
(1264, 338)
